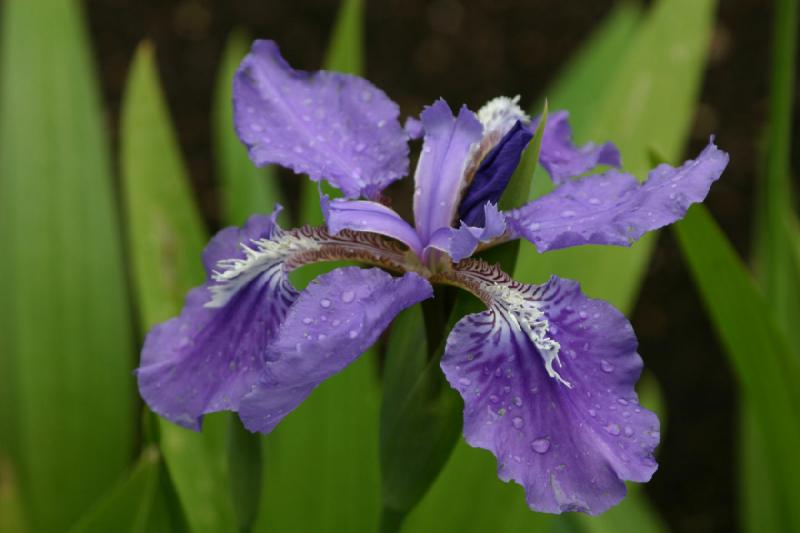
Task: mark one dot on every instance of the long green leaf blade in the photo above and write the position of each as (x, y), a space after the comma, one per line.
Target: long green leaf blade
(66, 395)
(166, 238)
(768, 372)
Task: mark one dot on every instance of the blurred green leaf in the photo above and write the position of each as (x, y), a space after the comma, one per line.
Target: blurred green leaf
(166, 237)
(66, 392)
(12, 519)
(767, 370)
(141, 502)
(245, 189)
(330, 440)
(777, 264)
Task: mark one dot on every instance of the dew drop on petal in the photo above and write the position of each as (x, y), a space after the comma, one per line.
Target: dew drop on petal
(353, 334)
(606, 366)
(517, 401)
(325, 303)
(348, 296)
(307, 320)
(613, 429)
(628, 431)
(541, 445)
(517, 422)
(465, 381)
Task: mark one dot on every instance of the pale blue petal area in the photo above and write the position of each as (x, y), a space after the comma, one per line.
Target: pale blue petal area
(338, 317)
(362, 215)
(445, 155)
(547, 376)
(331, 126)
(207, 358)
(462, 242)
(562, 159)
(614, 208)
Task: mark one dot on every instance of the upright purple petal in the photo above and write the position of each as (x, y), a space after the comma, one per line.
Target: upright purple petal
(613, 208)
(334, 320)
(361, 215)
(547, 377)
(206, 359)
(330, 126)
(462, 242)
(493, 174)
(440, 171)
(562, 159)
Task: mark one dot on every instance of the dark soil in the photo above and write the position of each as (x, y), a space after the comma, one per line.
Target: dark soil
(470, 51)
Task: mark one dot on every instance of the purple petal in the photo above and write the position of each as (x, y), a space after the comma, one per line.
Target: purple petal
(440, 171)
(613, 208)
(547, 377)
(414, 128)
(493, 175)
(330, 126)
(334, 320)
(360, 215)
(206, 359)
(562, 159)
(461, 243)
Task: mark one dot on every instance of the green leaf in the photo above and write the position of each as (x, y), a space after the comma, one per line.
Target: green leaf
(245, 189)
(166, 237)
(12, 519)
(663, 61)
(142, 502)
(330, 441)
(65, 340)
(770, 381)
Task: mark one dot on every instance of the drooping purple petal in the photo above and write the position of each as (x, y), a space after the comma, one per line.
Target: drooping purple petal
(438, 179)
(334, 320)
(461, 243)
(562, 159)
(547, 377)
(330, 126)
(613, 208)
(206, 359)
(493, 175)
(361, 215)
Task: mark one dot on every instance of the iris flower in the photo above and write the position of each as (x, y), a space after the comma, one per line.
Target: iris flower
(547, 374)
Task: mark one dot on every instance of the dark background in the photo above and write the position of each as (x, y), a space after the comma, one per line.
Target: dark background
(470, 51)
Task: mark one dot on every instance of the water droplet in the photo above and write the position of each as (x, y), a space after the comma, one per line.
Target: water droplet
(493, 398)
(353, 334)
(535, 226)
(628, 431)
(360, 147)
(592, 413)
(348, 296)
(622, 401)
(612, 429)
(568, 213)
(465, 381)
(517, 422)
(541, 445)
(325, 303)
(501, 411)
(517, 401)
(307, 320)
(583, 314)
(256, 127)
(381, 123)
(594, 201)
(322, 337)
(336, 322)
(606, 366)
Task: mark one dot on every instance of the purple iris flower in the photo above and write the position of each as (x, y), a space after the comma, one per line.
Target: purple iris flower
(547, 375)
